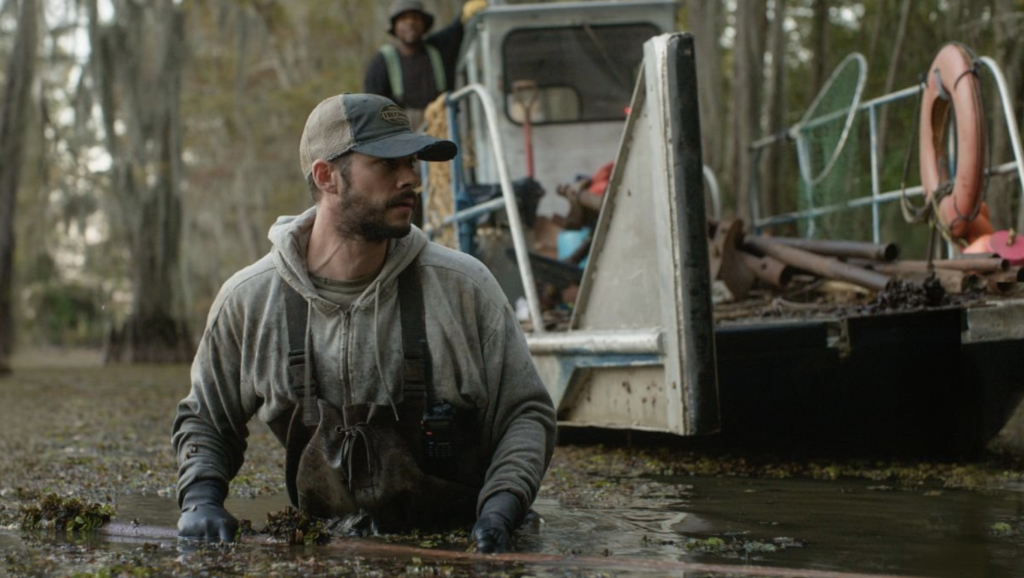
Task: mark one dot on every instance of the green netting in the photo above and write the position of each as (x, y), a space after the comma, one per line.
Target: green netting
(829, 153)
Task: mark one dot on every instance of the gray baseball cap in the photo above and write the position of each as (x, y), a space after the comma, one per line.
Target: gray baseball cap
(368, 124)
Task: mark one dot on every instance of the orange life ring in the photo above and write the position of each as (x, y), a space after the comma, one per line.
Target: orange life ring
(960, 93)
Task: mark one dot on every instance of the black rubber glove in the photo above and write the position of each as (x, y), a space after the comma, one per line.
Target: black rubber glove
(203, 515)
(498, 518)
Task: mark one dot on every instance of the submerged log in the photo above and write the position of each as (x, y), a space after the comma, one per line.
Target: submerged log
(370, 547)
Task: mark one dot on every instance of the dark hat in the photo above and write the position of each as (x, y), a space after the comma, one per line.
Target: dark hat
(399, 7)
(368, 124)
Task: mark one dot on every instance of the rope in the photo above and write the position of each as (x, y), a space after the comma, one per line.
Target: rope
(912, 214)
(353, 435)
(440, 202)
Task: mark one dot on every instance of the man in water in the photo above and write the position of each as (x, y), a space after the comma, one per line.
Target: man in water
(392, 369)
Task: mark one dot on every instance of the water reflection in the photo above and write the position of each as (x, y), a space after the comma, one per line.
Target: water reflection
(850, 526)
(868, 527)
(158, 511)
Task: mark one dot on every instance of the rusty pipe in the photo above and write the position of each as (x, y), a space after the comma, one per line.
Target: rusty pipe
(952, 280)
(768, 269)
(981, 265)
(847, 249)
(828, 267)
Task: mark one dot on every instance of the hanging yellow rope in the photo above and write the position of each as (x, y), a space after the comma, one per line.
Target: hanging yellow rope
(440, 202)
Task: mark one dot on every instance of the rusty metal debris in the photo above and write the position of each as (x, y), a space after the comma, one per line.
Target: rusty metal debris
(743, 261)
(823, 266)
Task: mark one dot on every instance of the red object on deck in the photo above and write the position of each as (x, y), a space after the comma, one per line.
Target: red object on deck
(599, 180)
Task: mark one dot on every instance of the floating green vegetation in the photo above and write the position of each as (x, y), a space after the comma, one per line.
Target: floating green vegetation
(1002, 530)
(712, 545)
(295, 527)
(67, 514)
(457, 539)
(738, 546)
(119, 571)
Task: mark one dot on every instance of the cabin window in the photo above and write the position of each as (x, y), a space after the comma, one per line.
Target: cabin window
(572, 74)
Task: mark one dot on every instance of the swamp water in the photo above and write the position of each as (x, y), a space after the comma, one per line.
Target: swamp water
(102, 435)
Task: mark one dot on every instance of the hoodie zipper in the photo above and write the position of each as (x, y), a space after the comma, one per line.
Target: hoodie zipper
(346, 347)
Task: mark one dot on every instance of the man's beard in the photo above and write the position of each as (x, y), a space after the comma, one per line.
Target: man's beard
(361, 218)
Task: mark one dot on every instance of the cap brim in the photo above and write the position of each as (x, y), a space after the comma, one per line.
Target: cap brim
(426, 148)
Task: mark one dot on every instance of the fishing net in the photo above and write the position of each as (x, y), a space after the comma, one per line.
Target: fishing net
(827, 140)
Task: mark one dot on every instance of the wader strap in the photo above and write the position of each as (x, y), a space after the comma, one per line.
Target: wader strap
(436, 419)
(417, 375)
(298, 434)
(295, 309)
(393, 63)
(299, 373)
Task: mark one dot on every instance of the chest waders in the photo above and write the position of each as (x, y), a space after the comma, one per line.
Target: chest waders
(400, 471)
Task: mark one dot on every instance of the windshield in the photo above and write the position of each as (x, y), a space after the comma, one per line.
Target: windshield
(577, 74)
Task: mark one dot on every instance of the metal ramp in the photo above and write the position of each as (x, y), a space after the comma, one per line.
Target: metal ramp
(640, 351)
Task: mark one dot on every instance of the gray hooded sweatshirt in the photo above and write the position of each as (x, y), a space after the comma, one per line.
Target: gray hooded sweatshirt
(481, 363)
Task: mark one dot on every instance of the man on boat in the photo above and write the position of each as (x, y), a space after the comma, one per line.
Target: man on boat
(416, 68)
(392, 369)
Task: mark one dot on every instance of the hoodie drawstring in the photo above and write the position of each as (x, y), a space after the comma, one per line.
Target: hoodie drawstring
(353, 435)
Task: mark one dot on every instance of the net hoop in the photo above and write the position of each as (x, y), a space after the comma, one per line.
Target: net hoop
(853, 59)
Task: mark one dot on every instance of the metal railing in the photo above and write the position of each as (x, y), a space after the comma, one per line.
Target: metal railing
(508, 195)
(877, 197)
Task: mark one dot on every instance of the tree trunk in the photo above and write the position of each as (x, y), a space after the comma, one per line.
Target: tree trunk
(819, 45)
(877, 28)
(1004, 192)
(13, 120)
(243, 191)
(138, 62)
(776, 112)
(746, 98)
(705, 19)
(890, 77)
